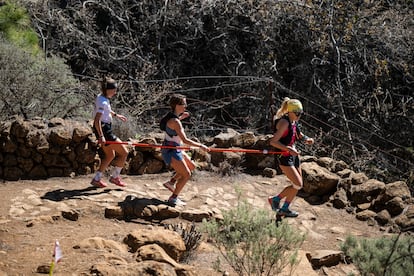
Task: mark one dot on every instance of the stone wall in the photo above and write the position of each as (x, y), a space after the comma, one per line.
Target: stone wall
(39, 149)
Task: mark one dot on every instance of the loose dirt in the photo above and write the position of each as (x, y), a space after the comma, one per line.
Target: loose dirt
(31, 220)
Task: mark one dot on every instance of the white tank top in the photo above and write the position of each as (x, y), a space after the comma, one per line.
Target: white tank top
(102, 105)
(175, 139)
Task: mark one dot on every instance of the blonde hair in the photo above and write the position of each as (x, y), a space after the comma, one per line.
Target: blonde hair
(288, 104)
(283, 108)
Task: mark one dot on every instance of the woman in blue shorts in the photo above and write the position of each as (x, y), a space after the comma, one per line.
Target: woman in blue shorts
(286, 133)
(173, 157)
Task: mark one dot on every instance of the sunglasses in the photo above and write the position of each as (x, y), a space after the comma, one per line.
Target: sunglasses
(298, 113)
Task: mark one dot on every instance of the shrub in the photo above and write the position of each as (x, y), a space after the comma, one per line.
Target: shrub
(15, 26)
(251, 243)
(34, 86)
(381, 256)
(190, 235)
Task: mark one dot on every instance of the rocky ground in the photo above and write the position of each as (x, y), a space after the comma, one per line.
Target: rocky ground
(31, 220)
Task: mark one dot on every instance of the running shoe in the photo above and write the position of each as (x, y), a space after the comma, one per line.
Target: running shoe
(117, 181)
(175, 201)
(274, 203)
(288, 213)
(169, 185)
(98, 183)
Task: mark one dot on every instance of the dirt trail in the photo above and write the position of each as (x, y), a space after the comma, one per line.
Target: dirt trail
(25, 246)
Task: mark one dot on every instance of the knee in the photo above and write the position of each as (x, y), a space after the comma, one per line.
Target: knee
(186, 175)
(110, 155)
(124, 151)
(298, 186)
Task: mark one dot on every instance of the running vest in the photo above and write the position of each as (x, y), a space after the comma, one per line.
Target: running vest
(170, 134)
(165, 119)
(290, 135)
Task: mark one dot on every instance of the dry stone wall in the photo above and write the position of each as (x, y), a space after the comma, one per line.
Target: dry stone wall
(39, 148)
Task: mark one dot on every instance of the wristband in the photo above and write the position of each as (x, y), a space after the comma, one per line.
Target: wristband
(115, 114)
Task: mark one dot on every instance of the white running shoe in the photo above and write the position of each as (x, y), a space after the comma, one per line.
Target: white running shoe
(176, 201)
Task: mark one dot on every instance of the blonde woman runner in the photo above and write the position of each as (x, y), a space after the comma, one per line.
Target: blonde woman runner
(286, 133)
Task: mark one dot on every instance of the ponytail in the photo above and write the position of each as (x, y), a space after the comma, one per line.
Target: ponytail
(283, 108)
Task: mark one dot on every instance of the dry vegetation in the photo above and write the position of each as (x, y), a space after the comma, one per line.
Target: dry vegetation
(351, 63)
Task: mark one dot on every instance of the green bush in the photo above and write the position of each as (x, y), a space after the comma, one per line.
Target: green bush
(34, 86)
(16, 28)
(381, 256)
(252, 243)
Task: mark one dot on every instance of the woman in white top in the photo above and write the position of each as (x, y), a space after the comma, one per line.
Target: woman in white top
(102, 126)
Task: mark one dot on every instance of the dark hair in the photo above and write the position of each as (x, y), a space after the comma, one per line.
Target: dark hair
(175, 100)
(108, 83)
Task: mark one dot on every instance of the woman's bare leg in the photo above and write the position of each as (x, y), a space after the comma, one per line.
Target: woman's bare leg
(295, 176)
(183, 173)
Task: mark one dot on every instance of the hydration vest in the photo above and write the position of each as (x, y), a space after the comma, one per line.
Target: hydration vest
(291, 134)
(165, 119)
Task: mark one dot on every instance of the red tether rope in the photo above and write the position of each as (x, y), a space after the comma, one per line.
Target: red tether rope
(189, 148)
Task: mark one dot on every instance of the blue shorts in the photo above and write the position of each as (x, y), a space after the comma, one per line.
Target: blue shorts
(290, 160)
(167, 154)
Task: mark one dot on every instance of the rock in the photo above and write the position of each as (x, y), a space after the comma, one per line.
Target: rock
(170, 241)
(60, 136)
(196, 215)
(243, 140)
(114, 212)
(344, 173)
(151, 166)
(223, 139)
(81, 132)
(358, 178)
(365, 215)
(269, 172)
(318, 180)
(20, 128)
(72, 215)
(43, 269)
(383, 217)
(395, 206)
(367, 191)
(145, 268)
(325, 258)
(98, 243)
(43, 219)
(339, 199)
(233, 158)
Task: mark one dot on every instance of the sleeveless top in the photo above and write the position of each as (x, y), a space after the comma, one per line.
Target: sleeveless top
(290, 135)
(171, 136)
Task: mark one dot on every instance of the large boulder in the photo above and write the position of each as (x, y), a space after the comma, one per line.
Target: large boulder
(318, 180)
(170, 241)
(367, 191)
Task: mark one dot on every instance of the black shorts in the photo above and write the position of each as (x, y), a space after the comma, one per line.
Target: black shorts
(291, 161)
(107, 132)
